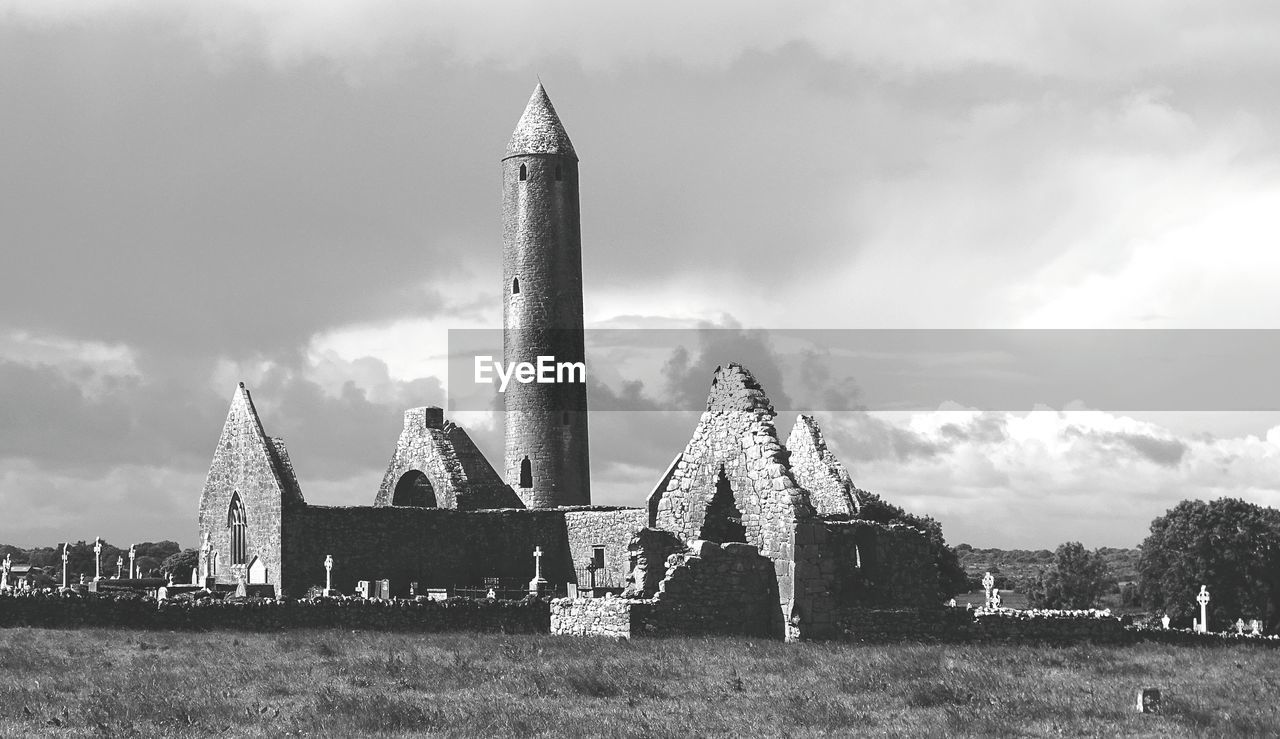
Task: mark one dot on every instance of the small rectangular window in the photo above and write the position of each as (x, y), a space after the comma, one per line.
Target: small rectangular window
(597, 557)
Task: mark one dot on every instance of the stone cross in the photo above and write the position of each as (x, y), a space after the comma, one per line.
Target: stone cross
(119, 566)
(1203, 600)
(132, 554)
(65, 557)
(328, 573)
(537, 583)
(97, 558)
(4, 582)
(988, 582)
(1164, 620)
(995, 597)
(207, 547)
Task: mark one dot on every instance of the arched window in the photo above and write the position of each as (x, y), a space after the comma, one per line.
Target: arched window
(526, 473)
(515, 285)
(524, 173)
(559, 174)
(239, 539)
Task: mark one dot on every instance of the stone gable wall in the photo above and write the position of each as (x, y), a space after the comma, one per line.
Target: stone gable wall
(257, 468)
(736, 435)
(817, 470)
(460, 476)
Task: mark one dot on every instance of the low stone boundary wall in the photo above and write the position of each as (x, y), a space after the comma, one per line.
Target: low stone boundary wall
(592, 617)
(529, 616)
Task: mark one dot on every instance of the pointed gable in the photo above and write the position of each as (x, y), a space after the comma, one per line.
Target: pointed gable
(816, 468)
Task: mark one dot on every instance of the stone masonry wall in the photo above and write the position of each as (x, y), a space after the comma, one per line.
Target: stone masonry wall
(881, 566)
(650, 550)
(715, 589)
(438, 547)
(460, 476)
(817, 470)
(591, 617)
(612, 529)
(736, 437)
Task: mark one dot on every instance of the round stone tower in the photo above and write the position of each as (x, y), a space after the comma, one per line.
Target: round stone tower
(546, 425)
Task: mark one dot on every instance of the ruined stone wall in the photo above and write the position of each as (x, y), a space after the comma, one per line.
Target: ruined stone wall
(612, 529)
(649, 551)
(249, 464)
(736, 438)
(591, 617)
(882, 566)
(434, 547)
(817, 470)
(440, 548)
(715, 589)
(459, 474)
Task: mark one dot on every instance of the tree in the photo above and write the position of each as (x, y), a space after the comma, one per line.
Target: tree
(1076, 579)
(1229, 545)
(181, 564)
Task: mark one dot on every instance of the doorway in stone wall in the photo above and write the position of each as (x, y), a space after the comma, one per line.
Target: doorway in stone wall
(723, 521)
(414, 490)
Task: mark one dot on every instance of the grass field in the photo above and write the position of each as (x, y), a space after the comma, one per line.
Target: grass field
(334, 683)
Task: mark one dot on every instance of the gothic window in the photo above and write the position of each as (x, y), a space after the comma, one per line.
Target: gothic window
(526, 473)
(515, 285)
(239, 540)
(524, 173)
(723, 521)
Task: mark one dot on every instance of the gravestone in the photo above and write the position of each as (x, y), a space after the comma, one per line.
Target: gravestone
(1203, 600)
(362, 589)
(988, 582)
(1165, 620)
(537, 585)
(1239, 625)
(1149, 700)
(1255, 627)
(995, 598)
(384, 590)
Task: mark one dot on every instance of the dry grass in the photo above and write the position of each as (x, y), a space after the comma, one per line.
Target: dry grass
(333, 683)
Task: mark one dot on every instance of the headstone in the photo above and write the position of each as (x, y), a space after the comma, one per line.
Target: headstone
(995, 598)
(1239, 625)
(988, 582)
(162, 593)
(384, 590)
(362, 588)
(1164, 620)
(951, 603)
(1148, 700)
(241, 590)
(413, 590)
(437, 594)
(1255, 627)
(491, 595)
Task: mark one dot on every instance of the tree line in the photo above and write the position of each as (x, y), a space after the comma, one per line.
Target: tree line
(151, 559)
(1230, 545)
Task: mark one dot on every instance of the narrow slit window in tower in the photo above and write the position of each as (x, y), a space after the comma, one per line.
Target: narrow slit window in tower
(526, 473)
(564, 418)
(524, 173)
(515, 285)
(236, 520)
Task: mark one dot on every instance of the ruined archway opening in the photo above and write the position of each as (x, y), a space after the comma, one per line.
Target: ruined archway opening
(414, 490)
(723, 522)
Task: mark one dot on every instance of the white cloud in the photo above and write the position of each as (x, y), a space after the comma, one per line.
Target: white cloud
(1044, 477)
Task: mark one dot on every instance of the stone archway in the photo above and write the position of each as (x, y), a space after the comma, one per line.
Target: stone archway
(414, 490)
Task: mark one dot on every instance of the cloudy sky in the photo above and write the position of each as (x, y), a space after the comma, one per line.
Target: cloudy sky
(304, 195)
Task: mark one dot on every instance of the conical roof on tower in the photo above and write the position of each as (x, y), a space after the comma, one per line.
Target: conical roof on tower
(539, 130)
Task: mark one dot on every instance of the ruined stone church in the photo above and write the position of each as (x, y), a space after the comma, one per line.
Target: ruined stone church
(742, 534)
